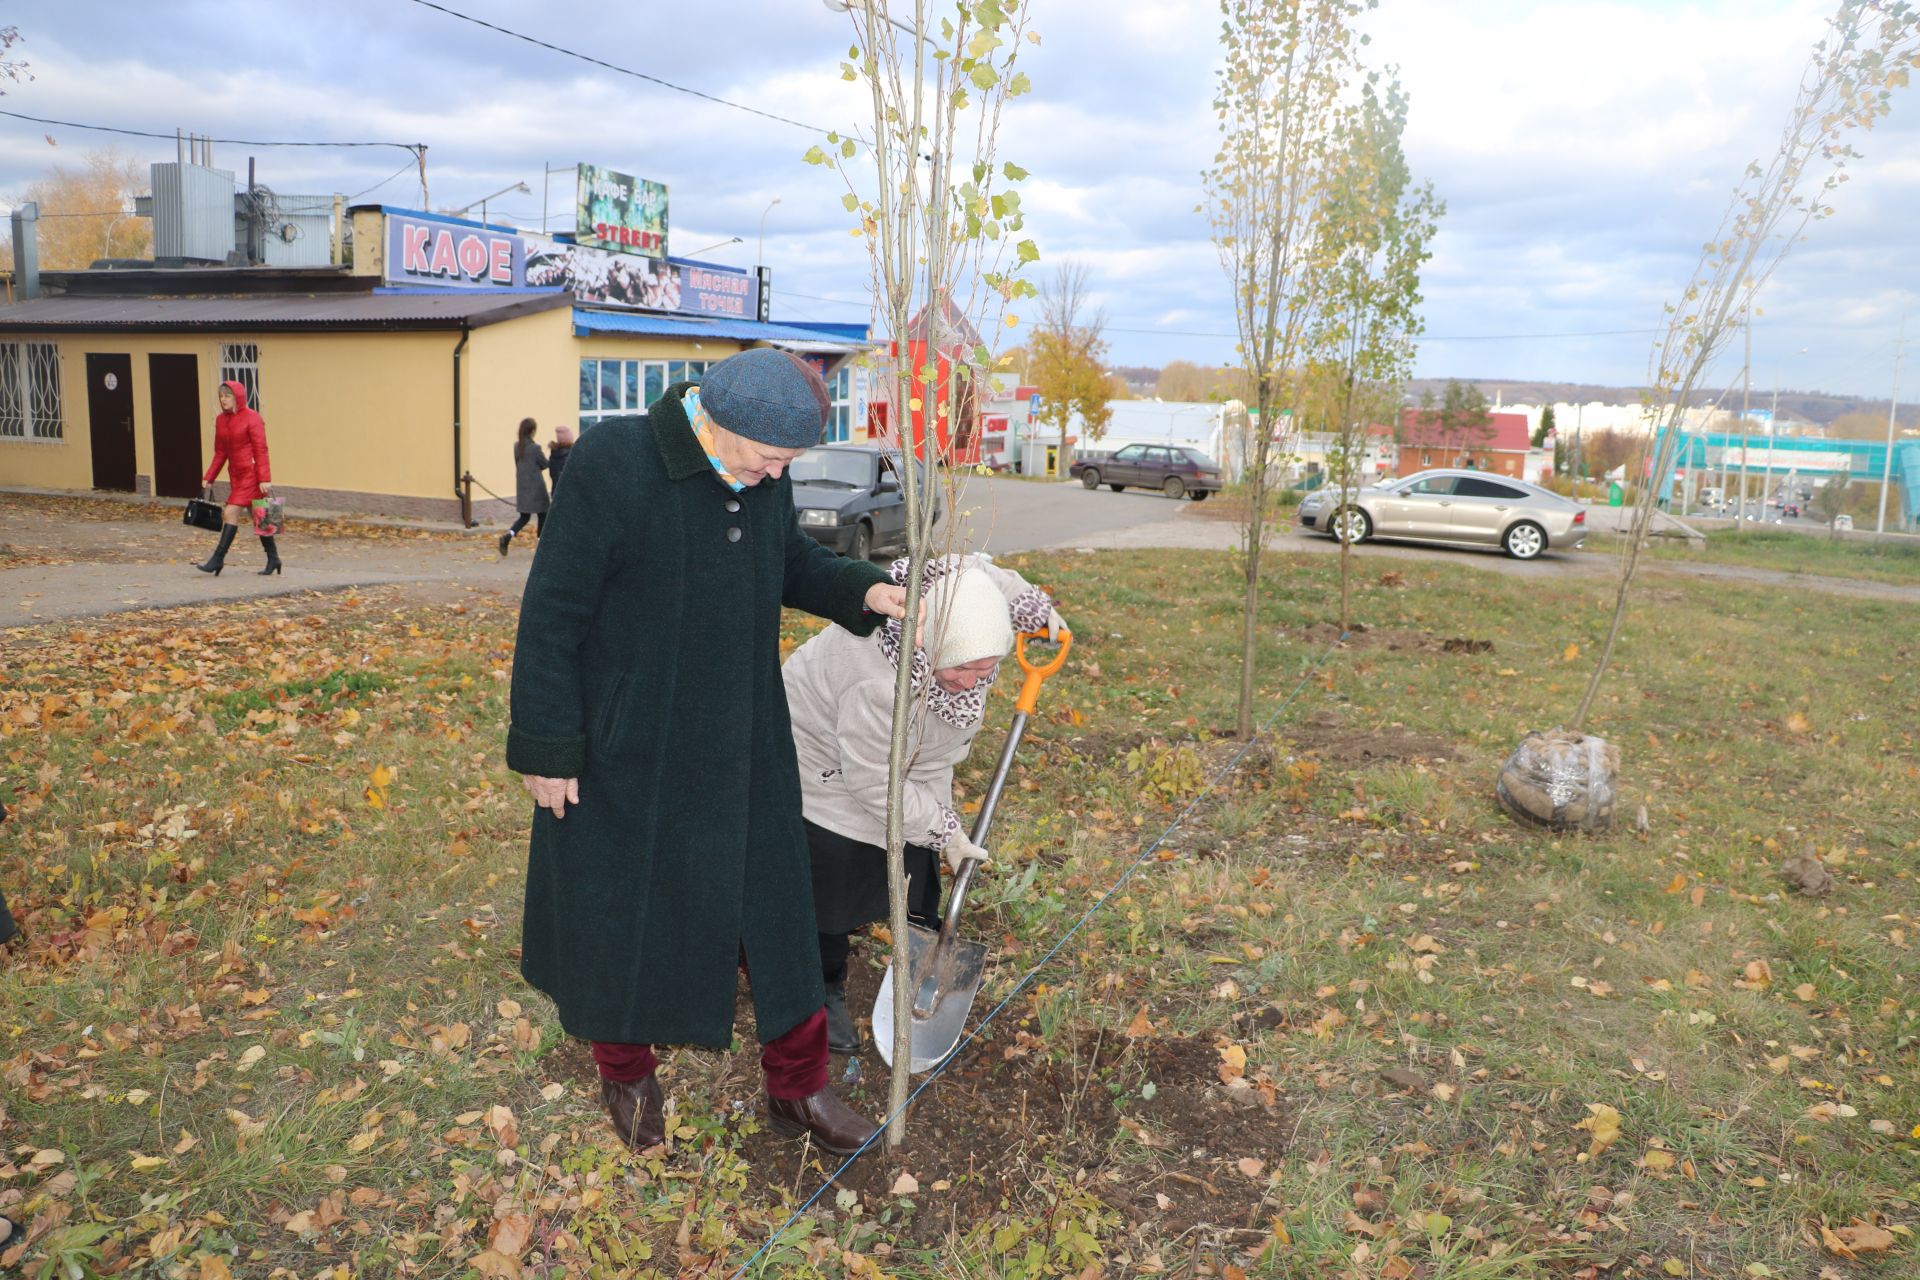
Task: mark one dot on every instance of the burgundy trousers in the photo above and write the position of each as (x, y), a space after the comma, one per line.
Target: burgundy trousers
(794, 1062)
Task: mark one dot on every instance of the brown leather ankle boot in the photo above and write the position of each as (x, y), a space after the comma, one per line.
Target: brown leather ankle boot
(833, 1124)
(637, 1111)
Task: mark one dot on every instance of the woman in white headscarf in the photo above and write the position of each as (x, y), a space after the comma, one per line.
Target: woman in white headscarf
(840, 698)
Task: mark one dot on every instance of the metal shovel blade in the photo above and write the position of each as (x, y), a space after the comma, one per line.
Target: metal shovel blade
(946, 995)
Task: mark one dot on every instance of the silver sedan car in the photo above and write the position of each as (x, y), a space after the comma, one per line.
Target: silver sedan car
(1452, 508)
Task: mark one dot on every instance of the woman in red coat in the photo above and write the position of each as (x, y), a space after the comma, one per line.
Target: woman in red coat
(240, 445)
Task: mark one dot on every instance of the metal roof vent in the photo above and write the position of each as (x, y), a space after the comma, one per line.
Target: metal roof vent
(192, 213)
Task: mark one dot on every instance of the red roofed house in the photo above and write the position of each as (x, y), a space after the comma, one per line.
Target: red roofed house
(1498, 443)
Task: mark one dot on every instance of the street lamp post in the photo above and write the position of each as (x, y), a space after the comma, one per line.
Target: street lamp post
(760, 248)
(1893, 409)
(841, 6)
(521, 187)
(720, 244)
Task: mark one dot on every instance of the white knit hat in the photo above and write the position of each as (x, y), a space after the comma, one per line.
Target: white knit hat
(970, 616)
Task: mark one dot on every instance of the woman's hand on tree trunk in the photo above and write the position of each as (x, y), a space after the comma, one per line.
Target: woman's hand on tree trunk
(553, 793)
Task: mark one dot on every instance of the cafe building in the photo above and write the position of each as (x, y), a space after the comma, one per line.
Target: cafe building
(392, 384)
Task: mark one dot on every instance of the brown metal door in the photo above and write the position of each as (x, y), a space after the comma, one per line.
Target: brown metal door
(110, 419)
(173, 382)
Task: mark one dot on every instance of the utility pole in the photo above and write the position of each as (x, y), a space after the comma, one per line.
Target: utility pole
(1773, 429)
(1746, 383)
(1893, 409)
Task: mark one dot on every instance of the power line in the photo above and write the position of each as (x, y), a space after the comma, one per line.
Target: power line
(625, 71)
(415, 147)
(384, 181)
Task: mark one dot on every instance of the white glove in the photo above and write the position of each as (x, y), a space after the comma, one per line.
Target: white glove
(960, 850)
(1055, 625)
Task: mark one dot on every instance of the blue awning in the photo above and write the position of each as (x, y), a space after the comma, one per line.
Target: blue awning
(651, 324)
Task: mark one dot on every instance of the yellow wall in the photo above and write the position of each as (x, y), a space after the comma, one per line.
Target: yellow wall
(526, 368)
(352, 412)
(365, 413)
(362, 412)
(66, 463)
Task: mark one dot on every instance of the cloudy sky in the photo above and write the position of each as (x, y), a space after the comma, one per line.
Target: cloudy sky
(1584, 149)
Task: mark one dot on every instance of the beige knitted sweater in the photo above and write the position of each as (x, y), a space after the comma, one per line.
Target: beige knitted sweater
(840, 696)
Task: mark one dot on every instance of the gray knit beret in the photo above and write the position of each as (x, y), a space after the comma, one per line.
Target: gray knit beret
(767, 395)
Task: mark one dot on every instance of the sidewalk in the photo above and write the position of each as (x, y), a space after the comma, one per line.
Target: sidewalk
(79, 567)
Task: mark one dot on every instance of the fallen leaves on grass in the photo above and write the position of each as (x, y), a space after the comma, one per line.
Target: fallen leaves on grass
(1603, 1123)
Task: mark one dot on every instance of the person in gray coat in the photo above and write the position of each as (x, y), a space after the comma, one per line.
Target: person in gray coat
(840, 697)
(530, 487)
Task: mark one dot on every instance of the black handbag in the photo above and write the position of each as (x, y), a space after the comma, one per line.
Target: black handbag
(201, 515)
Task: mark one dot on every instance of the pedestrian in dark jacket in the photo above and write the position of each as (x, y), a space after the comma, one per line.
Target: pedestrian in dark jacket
(650, 722)
(557, 456)
(530, 487)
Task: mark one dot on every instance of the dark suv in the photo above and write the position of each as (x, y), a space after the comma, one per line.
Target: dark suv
(848, 497)
(1175, 470)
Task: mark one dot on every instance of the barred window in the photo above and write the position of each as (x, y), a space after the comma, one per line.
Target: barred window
(30, 391)
(240, 362)
(13, 397)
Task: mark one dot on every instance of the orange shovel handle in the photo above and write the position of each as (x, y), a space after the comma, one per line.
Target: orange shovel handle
(1037, 675)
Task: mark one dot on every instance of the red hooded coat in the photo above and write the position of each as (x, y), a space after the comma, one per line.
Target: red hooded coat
(240, 445)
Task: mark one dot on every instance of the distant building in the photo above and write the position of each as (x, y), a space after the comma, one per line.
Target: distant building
(1500, 445)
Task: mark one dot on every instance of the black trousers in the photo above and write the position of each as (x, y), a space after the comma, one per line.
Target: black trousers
(850, 890)
(8, 930)
(521, 523)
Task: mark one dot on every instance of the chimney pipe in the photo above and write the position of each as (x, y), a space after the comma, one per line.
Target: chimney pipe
(26, 250)
(180, 146)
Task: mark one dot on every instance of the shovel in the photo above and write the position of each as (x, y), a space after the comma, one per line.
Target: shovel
(945, 968)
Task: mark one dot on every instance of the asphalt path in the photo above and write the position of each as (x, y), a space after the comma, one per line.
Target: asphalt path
(59, 567)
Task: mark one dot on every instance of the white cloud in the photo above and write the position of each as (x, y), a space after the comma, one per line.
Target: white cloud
(1585, 147)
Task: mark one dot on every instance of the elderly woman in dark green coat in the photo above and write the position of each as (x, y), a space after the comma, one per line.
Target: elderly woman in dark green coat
(650, 722)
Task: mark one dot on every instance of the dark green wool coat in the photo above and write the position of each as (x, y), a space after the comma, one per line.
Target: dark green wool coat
(648, 666)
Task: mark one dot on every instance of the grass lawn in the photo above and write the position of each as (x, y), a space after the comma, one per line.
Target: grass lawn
(1347, 1021)
(1790, 552)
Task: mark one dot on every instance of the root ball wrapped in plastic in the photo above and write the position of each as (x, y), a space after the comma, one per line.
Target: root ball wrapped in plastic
(1561, 780)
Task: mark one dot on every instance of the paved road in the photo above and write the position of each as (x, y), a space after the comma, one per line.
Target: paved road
(85, 566)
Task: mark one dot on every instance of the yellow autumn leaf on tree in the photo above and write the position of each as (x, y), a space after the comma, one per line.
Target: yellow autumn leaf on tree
(1603, 1122)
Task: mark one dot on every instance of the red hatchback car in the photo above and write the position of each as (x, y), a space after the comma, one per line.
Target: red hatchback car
(1178, 471)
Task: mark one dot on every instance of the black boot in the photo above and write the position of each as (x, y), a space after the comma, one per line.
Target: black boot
(273, 557)
(841, 1035)
(218, 560)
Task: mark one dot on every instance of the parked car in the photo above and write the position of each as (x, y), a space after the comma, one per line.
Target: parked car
(1451, 508)
(848, 497)
(1175, 470)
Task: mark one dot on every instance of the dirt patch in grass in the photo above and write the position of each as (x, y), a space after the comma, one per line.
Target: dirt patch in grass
(1145, 1125)
(1333, 741)
(1396, 641)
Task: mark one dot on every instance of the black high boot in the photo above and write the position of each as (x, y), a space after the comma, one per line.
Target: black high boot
(218, 560)
(842, 1037)
(273, 557)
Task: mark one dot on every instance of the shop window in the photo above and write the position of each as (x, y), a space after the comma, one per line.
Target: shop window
(240, 362)
(840, 418)
(610, 387)
(29, 391)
